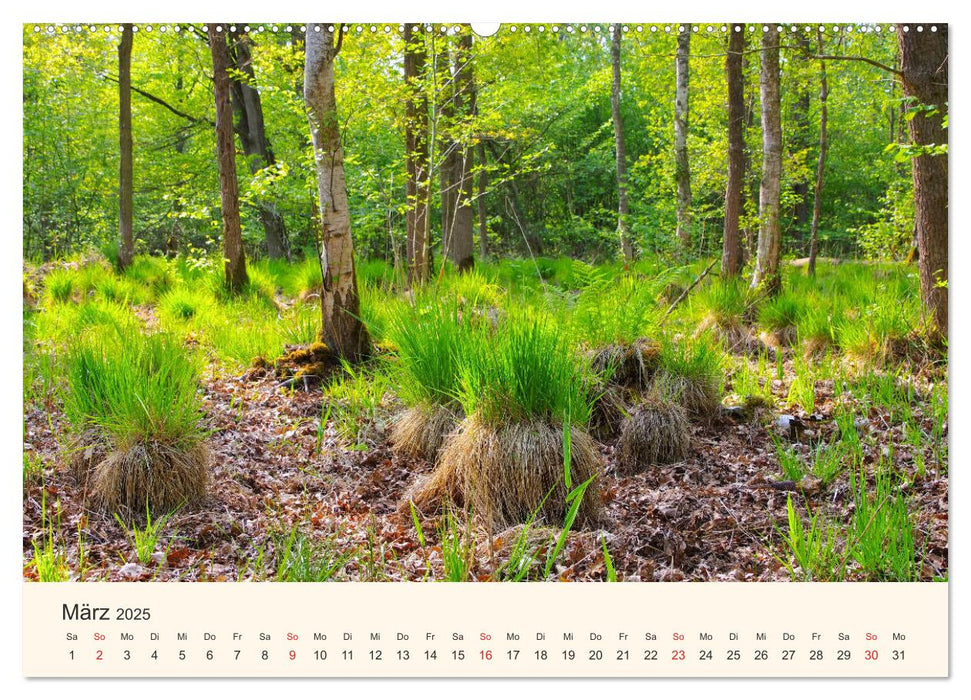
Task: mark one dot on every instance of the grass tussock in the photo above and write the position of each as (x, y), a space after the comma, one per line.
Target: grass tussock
(692, 374)
(656, 432)
(137, 438)
(628, 364)
(509, 473)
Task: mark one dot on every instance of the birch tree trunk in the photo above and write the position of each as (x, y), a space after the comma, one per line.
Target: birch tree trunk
(821, 162)
(126, 247)
(626, 244)
(682, 169)
(233, 255)
(731, 239)
(342, 328)
(251, 128)
(769, 249)
(416, 155)
(924, 74)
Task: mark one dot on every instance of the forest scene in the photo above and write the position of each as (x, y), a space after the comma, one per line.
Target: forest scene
(381, 302)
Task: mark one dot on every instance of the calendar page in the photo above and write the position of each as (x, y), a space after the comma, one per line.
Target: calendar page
(546, 349)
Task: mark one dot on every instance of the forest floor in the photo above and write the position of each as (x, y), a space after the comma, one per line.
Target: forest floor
(719, 515)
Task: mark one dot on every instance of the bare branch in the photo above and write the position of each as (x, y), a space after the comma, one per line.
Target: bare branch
(861, 59)
(159, 101)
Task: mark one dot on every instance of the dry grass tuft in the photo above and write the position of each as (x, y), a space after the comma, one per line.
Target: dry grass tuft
(84, 453)
(609, 411)
(505, 472)
(736, 336)
(656, 432)
(153, 475)
(420, 431)
(700, 398)
(630, 365)
(780, 338)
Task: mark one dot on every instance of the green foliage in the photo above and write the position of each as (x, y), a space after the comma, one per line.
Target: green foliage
(353, 400)
(299, 558)
(133, 388)
(458, 550)
(725, 302)
(525, 370)
(145, 540)
(780, 312)
(692, 368)
(183, 304)
(883, 533)
(814, 550)
(153, 273)
(431, 342)
(595, 318)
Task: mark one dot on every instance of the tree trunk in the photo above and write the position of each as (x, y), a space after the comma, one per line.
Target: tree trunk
(444, 124)
(626, 243)
(126, 247)
(416, 155)
(466, 108)
(821, 163)
(750, 197)
(801, 140)
(682, 170)
(251, 129)
(235, 259)
(924, 73)
(731, 240)
(770, 234)
(481, 202)
(342, 328)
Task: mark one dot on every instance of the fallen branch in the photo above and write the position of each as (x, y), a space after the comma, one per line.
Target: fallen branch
(694, 284)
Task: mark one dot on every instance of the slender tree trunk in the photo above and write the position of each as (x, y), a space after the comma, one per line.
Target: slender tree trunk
(481, 202)
(924, 74)
(468, 107)
(767, 260)
(821, 163)
(465, 107)
(251, 128)
(626, 243)
(731, 240)
(126, 248)
(444, 125)
(235, 259)
(682, 170)
(342, 328)
(750, 195)
(416, 155)
(801, 139)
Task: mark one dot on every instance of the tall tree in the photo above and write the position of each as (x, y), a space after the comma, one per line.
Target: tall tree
(626, 243)
(821, 161)
(682, 170)
(126, 248)
(923, 75)
(251, 128)
(731, 239)
(480, 200)
(342, 328)
(233, 255)
(799, 134)
(443, 123)
(416, 155)
(769, 250)
(464, 109)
